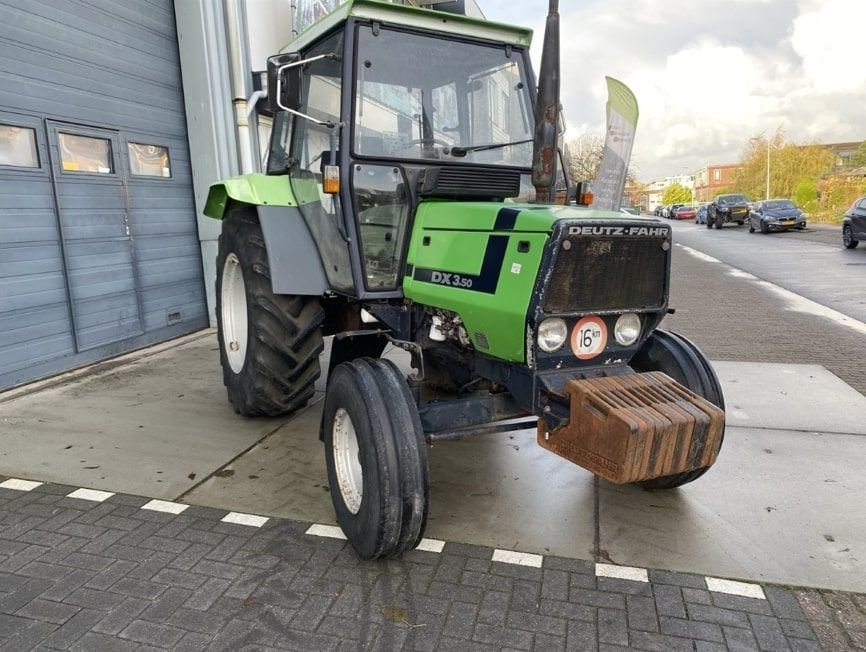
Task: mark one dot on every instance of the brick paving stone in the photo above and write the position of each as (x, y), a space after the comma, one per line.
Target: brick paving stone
(119, 617)
(669, 600)
(641, 613)
(742, 640)
(568, 610)
(612, 626)
(659, 642)
(691, 629)
(45, 610)
(186, 583)
(142, 631)
(503, 637)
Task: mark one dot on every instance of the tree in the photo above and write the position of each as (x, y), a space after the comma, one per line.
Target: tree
(792, 167)
(676, 194)
(583, 156)
(858, 158)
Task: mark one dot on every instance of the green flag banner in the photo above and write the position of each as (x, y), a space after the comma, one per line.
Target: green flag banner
(622, 114)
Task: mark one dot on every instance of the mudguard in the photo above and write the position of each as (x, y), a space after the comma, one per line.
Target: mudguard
(292, 254)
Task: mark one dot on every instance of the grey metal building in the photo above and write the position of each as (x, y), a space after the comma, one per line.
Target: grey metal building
(115, 116)
(99, 250)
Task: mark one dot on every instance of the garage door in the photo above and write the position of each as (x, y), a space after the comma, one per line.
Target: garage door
(99, 249)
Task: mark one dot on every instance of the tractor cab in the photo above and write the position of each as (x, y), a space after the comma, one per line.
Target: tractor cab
(375, 112)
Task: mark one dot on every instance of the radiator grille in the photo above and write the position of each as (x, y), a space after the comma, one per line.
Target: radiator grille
(456, 182)
(617, 273)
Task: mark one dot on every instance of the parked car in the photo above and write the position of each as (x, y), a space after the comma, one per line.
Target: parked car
(659, 210)
(672, 210)
(701, 216)
(684, 213)
(776, 215)
(854, 224)
(727, 208)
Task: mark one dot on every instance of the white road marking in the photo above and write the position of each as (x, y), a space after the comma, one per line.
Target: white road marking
(700, 255)
(743, 589)
(431, 545)
(330, 531)
(164, 506)
(519, 558)
(90, 494)
(622, 572)
(796, 303)
(245, 519)
(19, 485)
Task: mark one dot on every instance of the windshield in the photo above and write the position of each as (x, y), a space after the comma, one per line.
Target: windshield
(420, 97)
(778, 204)
(732, 199)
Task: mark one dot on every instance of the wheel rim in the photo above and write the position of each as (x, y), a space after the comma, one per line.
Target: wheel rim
(846, 236)
(347, 464)
(233, 300)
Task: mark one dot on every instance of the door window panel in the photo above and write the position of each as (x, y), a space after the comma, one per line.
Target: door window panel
(382, 203)
(148, 160)
(18, 146)
(85, 154)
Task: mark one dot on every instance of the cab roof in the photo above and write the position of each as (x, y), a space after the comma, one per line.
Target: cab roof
(426, 19)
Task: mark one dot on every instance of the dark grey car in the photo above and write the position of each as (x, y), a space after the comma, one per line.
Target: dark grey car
(854, 224)
(776, 215)
(727, 208)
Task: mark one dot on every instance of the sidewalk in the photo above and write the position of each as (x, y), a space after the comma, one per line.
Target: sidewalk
(84, 574)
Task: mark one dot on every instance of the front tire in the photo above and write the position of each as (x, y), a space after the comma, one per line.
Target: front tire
(376, 458)
(764, 228)
(683, 361)
(848, 237)
(719, 221)
(269, 343)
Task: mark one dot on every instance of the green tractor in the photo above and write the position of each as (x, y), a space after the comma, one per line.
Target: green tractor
(406, 203)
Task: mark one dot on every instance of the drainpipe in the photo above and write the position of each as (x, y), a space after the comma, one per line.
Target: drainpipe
(240, 77)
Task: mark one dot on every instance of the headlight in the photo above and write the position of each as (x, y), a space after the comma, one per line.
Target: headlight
(627, 329)
(552, 334)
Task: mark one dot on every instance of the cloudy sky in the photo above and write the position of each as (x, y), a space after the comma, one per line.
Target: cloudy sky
(708, 74)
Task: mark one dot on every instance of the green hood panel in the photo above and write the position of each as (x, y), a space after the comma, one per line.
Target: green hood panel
(480, 260)
(255, 189)
(482, 216)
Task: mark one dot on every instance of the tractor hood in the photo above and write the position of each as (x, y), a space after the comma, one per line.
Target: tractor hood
(526, 218)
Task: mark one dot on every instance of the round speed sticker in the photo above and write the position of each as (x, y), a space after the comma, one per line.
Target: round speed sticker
(589, 337)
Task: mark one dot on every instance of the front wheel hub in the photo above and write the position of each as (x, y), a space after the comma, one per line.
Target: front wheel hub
(347, 463)
(233, 311)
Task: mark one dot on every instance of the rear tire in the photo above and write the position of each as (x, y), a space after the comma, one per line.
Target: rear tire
(848, 237)
(683, 361)
(269, 343)
(376, 458)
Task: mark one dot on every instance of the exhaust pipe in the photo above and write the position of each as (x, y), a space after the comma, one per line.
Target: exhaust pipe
(547, 111)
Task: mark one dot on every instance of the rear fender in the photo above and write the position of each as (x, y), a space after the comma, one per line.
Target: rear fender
(293, 257)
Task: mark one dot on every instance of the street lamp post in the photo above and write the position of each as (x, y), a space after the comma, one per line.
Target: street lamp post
(768, 168)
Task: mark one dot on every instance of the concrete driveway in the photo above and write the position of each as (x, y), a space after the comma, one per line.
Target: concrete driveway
(783, 504)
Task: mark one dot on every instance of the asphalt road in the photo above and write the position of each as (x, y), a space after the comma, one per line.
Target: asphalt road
(812, 264)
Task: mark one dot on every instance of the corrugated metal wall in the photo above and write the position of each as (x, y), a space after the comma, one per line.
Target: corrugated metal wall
(95, 257)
